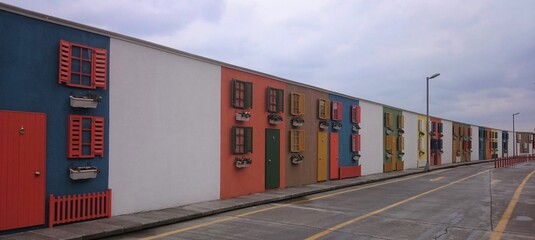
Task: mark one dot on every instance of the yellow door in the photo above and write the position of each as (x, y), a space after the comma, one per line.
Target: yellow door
(322, 156)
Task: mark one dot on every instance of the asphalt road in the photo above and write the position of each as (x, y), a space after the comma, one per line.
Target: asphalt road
(470, 202)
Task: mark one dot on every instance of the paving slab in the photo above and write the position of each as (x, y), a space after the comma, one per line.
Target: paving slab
(91, 229)
(56, 233)
(138, 221)
(26, 236)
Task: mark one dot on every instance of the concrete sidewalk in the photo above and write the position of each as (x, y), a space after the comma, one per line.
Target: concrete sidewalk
(132, 222)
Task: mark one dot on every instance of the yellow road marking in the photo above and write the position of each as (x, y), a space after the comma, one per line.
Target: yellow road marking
(494, 181)
(165, 234)
(497, 233)
(341, 225)
(436, 179)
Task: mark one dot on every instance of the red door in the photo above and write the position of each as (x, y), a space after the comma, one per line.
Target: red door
(333, 161)
(22, 169)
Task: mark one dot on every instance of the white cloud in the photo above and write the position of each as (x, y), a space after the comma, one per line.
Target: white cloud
(377, 50)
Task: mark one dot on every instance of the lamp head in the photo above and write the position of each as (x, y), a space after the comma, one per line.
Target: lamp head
(434, 75)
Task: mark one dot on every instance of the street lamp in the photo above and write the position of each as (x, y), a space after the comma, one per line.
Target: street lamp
(427, 122)
(514, 135)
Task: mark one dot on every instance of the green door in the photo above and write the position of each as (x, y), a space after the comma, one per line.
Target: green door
(272, 158)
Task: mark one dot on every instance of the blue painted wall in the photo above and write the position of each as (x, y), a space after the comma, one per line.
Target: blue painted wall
(482, 136)
(29, 83)
(344, 134)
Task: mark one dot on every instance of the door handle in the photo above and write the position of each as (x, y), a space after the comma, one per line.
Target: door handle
(37, 173)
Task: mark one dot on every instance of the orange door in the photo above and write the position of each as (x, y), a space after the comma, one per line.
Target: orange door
(333, 161)
(22, 169)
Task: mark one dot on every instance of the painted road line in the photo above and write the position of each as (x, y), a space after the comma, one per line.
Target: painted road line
(341, 225)
(177, 231)
(497, 233)
(436, 179)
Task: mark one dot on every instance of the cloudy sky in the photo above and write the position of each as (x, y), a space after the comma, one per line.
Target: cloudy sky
(376, 50)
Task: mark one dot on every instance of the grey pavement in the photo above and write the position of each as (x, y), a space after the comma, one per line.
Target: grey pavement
(143, 220)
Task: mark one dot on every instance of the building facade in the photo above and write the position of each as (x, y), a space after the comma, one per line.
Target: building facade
(87, 113)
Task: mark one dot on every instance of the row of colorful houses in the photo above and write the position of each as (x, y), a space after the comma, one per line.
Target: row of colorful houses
(83, 110)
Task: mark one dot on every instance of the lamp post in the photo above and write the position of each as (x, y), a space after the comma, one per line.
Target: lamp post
(427, 122)
(514, 135)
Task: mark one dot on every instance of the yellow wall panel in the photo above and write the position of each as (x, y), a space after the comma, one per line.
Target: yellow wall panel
(322, 156)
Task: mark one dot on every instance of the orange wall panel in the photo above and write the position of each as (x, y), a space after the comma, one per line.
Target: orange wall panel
(234, 181)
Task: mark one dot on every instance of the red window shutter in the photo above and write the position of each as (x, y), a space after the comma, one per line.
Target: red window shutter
(355, 143)
(75, 137)
(334, 110)
(339, 116)
(98, 136)
(358, 114)
(64, 62)
(100, 67)
(355, 114)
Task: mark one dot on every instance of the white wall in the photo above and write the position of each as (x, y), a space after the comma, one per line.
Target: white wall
(475, 143)
(511, 144)
(372, 137)
(530, 147)
(500, 149)
(447, 141)
(411, 140)
(164, 129)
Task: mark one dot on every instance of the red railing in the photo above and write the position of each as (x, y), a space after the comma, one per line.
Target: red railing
(511, 161)
(74, 208)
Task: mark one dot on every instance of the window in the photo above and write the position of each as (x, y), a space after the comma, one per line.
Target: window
(401, 143)
(355, 114)
(440, 127)
(82, 66)
(297, 141)
(421, 126)
(433, 126)
(401, 121)
(86, 137)
(336, 111)
(390, 142)
(242, 94)
(297, 104)
(355, 142)
(323, 109)
(469, 131)
(388, 120)
(275, 100)
(242, 140)
(421, 144)
(440, 144)
(525, 147)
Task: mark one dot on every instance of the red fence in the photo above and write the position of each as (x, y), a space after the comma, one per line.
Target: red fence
(511, 161)
(74, 208)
